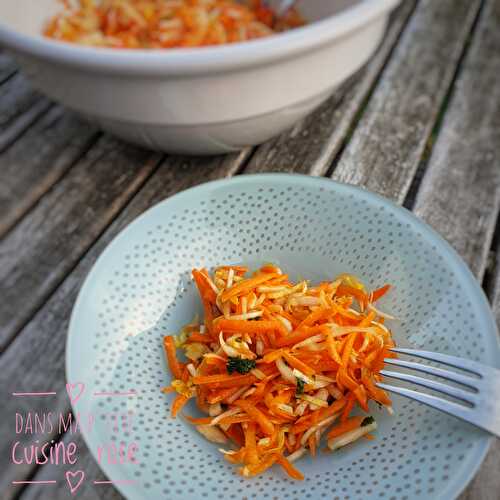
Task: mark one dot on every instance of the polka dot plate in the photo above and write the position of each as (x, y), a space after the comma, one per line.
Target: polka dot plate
(140, 289)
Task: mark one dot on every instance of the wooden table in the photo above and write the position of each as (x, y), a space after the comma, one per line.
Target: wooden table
(420, 124)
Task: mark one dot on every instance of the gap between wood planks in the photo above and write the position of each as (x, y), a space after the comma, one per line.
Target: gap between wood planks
(7, 67)
(390, 138)
(43, 185)
(133, 176)
(405, 13)
(20, 107)
(45, 332)
(310, 145)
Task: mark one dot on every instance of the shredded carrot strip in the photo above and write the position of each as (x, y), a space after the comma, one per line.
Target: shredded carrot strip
(263, 465)
(264, 423)
(198, 421)
(224, 380)
(317, 315)
(349, 425)
(289, 468)
(312, 445)
(299, 365)
(178, 403)
(235, 434)
(351, 400)
(251, 455)
(199, 337)
(204, 288)
(173, 363)
(300, 335)
(247, 285)
(379, 293)
(221, 394)
(253, 327)
(296, 359)
(234, 420)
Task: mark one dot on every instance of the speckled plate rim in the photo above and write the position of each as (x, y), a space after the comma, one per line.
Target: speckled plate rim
(457, 484)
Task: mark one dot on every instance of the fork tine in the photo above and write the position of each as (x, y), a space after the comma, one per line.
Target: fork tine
(449, 407)
(431, 370)
(464, 364)
(455, 392)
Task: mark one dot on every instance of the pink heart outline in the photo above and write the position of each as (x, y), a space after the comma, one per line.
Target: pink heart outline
(71, 387)
(71, 475)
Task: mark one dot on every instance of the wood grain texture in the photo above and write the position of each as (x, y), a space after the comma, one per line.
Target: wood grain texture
(387, 145)
(460, 192)
(36, 255)
(20, 106)
(7, 66)
(38, 351)
(313, 143)
(38, 160)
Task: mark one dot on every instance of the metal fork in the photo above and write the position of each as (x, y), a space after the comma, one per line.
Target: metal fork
(480, 405)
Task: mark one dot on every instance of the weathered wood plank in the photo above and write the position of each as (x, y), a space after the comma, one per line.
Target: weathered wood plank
(38, 160)
(460, 192)
(385, 149)
(38, 351)
(20, 106)
(36, 255)
(312, 144)
(7, 67)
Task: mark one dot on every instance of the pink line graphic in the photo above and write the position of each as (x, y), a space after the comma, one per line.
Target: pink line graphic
(34, 393)
(123, 481)
(129, 393)
(34, 482)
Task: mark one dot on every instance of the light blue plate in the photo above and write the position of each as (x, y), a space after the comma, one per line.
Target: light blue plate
(140, 289)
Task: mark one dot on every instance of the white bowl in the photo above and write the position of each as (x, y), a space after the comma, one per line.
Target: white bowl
(202, 100)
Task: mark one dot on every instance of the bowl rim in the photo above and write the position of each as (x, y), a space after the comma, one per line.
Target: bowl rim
(454, 487)
(200, 59)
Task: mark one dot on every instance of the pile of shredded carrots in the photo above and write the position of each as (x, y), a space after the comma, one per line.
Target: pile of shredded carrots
(275, 365)
(144, 24)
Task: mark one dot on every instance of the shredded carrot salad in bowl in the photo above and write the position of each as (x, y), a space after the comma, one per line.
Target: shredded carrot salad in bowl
(276, 365)
(156, 24)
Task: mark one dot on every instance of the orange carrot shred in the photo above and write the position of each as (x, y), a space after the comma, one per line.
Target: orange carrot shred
(272, 360)
(173, 363)
(178, 403)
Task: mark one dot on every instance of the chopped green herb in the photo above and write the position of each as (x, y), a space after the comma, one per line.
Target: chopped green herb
(240, 365)
(367, 421)
(300, 387)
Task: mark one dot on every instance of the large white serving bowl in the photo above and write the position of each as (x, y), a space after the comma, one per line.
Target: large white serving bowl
(202, 100)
